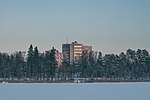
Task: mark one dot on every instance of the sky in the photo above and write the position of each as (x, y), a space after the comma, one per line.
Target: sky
(110, 26)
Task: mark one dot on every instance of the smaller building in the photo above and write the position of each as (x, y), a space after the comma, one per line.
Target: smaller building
(88, 49)
(59, 58)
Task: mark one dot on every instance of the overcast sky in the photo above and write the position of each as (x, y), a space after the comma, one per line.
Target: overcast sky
(110, 26)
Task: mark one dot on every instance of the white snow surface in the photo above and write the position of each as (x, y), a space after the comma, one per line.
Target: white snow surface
(75, 91)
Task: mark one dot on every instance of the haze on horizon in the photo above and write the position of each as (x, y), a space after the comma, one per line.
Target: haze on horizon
(110, 26)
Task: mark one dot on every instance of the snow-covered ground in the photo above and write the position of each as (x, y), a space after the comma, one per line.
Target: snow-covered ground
(75, 91)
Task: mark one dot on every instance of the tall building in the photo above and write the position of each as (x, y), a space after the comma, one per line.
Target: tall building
(66, 50)
(73, 52)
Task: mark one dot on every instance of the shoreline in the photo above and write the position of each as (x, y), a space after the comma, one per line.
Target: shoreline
(71, 81)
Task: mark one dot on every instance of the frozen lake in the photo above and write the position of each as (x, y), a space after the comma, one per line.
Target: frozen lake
(74, 91)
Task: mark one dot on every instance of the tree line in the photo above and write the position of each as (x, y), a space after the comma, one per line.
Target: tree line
(132, 65)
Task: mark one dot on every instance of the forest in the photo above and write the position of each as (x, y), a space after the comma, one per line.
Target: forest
(132, 65)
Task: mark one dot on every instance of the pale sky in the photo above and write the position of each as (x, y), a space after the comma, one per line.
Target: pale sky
(110, 26)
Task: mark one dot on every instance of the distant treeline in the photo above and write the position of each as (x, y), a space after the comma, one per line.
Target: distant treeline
(132, 65)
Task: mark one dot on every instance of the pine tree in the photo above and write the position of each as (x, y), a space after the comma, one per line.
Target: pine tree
(99, 66)
(19, 64)
(65, 68)
(92, 64)
(53, 63)
(36, 66)
(123, 66)
(84, 64)
(30, 68)
(50, 64)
